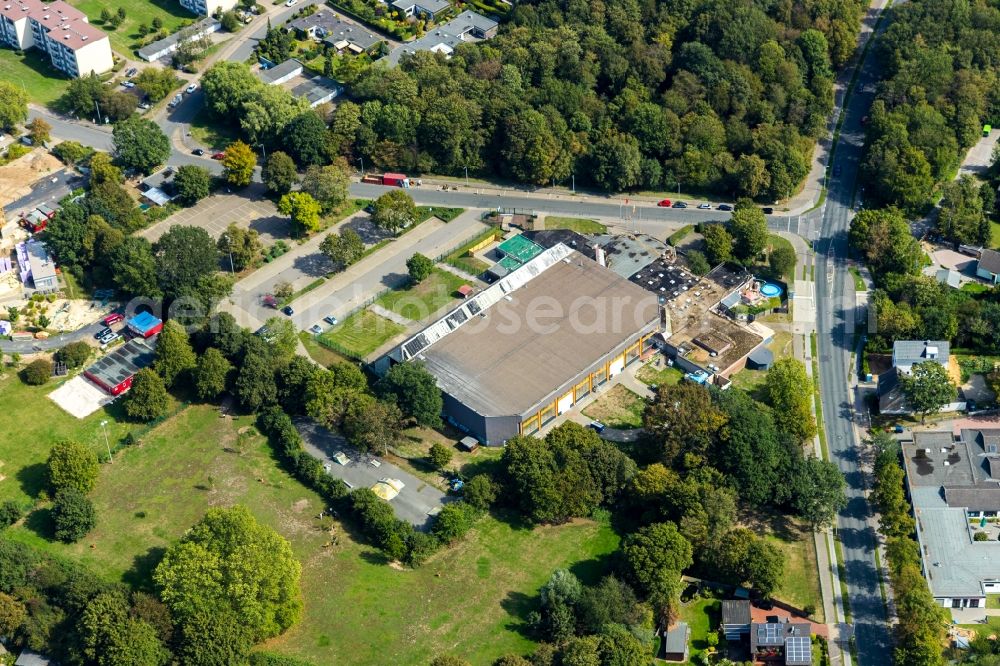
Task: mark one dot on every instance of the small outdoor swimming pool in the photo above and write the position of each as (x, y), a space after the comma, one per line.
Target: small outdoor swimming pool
(770, 290)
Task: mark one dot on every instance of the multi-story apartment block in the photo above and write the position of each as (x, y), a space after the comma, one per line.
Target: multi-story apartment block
(60, 30)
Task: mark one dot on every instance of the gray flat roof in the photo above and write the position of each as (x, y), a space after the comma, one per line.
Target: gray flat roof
(955, 564)
(41, 264)
(501, 365)
(676, 639)
(908, 352)
(280, 71)
(736, 611)
(122, 363)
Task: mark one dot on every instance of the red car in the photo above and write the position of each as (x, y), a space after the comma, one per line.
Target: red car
(218, 156)
(113, 318)
(665, 203)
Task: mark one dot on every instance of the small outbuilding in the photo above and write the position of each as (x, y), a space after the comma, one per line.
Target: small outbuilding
(468, 443)
(114, 373)
(145, 325)
(675, 642)
(736, 618)
(761, 358)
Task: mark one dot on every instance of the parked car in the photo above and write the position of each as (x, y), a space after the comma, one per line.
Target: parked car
(131, 71)
(218, 156)
(330, 319)
(596, 425)
(680, 204)
(665, 203)
(291, 3)
(108, 339)
(288, 310)
(145, 106)
(316, 329)
(725, 207)
(101, 333)
(178, 98)
(768, 210)
(113, 318)
(128, 84)
(191, 88)
(198, 151)
(704, 206)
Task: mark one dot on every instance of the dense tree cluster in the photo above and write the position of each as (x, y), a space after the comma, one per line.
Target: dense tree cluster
(940, 85)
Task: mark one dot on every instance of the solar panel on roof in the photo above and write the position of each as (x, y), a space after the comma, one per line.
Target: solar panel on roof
(798, 650)
(473, 306)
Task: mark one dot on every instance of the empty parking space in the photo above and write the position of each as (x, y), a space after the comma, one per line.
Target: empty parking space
(217, 212)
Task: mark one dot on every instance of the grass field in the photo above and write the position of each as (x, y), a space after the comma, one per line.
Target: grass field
(158, 489)
(424, 213)
(420, 301)
(210, 134)
(774, 242)
(577, 224)
(125, 39)
(800, 584)
(362, 333)
(665, 376)
(411, 453)
(34, 73)
(322, 355)
(617, 408)
(469, 600)
(995, 233)
(35, 423)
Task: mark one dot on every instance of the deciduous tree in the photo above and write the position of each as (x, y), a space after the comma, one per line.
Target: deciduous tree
(279, 173)
(71, 465)
(239, 247)
(343, 247)
(328, 185)
(927, 388)
(140, 144)
(211, 373)
(72, 515)
(419, 267)
(748, 226)
(414, 390)
(147, 399)
(174, 355)
(789, 392)
(192, 184)
(303, 209)
(394, 210)
(13, 105)
(238, 164)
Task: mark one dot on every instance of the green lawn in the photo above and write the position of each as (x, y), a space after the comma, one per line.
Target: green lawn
(617, 408)
(159, 488)
(418, 302)
(703, 616)
(210, 134)
(322, 355)
(576, 224)
(993, 600)
(412, 451)
(800, 583)
(33, 72)
(461, 258)
(361, 333)
(125, 39)
(469, 600)
(35, 423)
(665, 376)
(859, 282)
(995, 234)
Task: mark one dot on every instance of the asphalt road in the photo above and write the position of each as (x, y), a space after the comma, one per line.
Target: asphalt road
(45, 190)
(835, 332)
(250, 42)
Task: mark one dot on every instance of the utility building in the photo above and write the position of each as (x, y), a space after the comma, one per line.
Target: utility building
(526, 349)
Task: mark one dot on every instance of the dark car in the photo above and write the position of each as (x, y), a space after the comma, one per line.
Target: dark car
(680, 204)
(768, 210)
(198, 151)
(725, 207)
(103, 332)
(288, 310)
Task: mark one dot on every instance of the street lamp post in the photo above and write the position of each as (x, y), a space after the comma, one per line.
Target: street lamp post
(362, 160)
(574, 182)
(263, 150)
(104, 427)
(466, 176)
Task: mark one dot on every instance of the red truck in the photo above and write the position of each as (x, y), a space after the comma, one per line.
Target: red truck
(391, 179)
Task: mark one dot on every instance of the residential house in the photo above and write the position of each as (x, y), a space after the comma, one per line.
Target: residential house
(208, 7)
(466, 27)
(675, 642)
(988, 267)
(954, 485)
(74, 47)
(164, 47)
(432, 9)
(42, 267)
(781, 642)
(324, 25)
(906, 353)
(294, 77)
(736, 618)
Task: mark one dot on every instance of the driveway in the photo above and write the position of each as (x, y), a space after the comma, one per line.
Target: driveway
(416, 502)
(248, 209)
(49, 189)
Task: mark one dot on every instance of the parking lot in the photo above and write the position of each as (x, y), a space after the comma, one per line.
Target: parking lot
(247, 208)
(416, 502)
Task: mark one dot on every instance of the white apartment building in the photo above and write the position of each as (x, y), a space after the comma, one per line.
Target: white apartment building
(208, 7)
(62, 31)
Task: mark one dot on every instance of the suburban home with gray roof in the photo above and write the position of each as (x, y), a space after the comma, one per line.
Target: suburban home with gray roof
(954, 484)
(423, 8)
(466, 27)
(988, 267)
(325, 25)
(905, 354)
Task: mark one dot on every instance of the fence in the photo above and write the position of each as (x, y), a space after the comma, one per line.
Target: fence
(340, 349)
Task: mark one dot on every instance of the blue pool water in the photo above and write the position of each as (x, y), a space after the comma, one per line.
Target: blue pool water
(770, 290)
